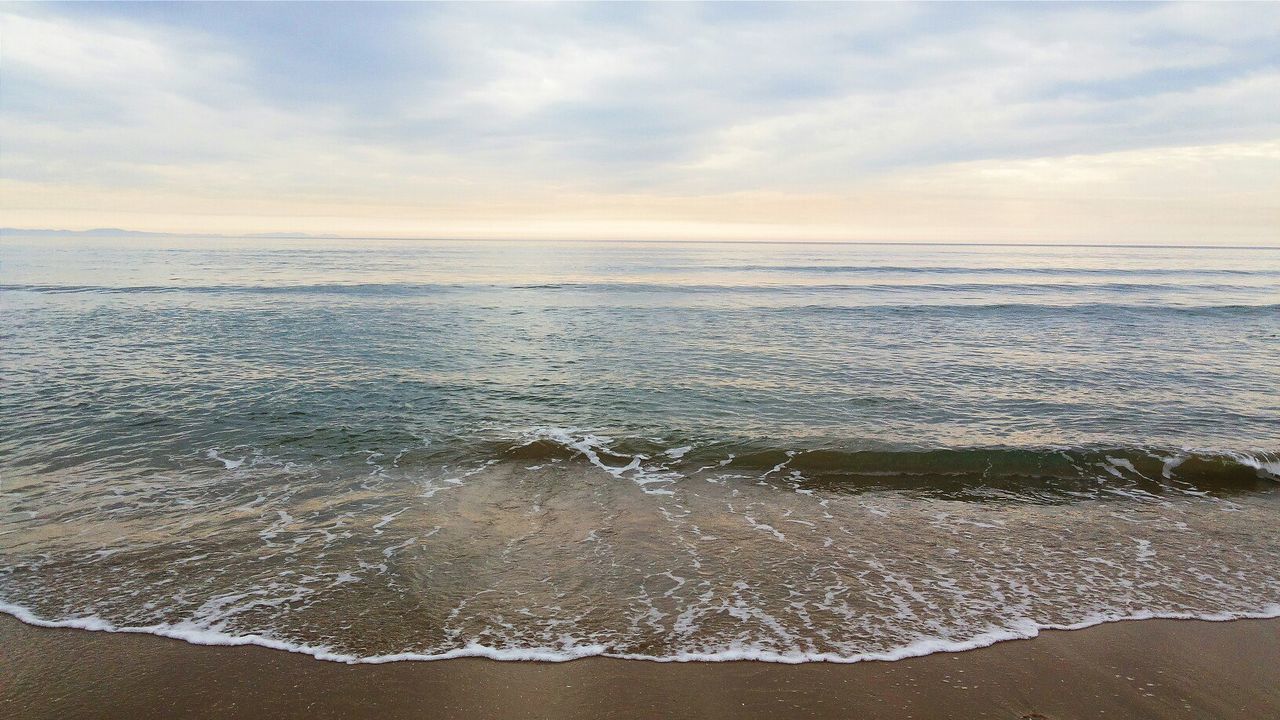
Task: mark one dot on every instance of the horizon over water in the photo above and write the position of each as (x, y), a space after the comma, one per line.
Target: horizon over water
(380, 450)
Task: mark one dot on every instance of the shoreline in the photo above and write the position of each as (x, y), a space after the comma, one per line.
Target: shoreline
(1156, 668)
(918, 649)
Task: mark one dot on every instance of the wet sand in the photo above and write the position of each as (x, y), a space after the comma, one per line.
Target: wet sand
(1143, 669)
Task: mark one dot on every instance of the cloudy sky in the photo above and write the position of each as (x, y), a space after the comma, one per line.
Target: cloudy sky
(958, 122)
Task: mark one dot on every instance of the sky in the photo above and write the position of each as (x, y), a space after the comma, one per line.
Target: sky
(1074, 123)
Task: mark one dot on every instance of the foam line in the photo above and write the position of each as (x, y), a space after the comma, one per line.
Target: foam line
(1027, 629)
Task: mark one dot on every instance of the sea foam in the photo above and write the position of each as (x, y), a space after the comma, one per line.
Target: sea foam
(1021, 630)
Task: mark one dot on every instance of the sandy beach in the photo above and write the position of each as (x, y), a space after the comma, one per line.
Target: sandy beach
(1142, 669)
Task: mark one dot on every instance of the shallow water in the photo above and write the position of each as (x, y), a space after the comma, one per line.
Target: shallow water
(381, 449)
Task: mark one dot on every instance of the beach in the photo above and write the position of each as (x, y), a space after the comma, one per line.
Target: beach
(1138, 669)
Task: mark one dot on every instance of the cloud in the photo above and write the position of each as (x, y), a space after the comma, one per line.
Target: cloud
(431, 117)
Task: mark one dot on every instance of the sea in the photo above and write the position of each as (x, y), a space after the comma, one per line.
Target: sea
(374, 450)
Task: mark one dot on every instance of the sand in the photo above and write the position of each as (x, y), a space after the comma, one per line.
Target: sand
(1142, 669)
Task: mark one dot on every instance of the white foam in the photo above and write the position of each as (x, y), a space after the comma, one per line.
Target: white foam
(765, 528)
(197, 635)
(1144, 552)
(1170, 464)
(590, 446)
(430, 488)
(1262, 462)
(377, 528)
(228, 464)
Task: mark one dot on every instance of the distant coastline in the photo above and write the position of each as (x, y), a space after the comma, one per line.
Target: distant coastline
(121, 233)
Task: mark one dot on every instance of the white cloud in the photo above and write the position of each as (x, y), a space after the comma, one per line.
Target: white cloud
(644, 115)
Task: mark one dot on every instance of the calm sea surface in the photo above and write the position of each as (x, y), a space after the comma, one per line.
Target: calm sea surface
(410, 449)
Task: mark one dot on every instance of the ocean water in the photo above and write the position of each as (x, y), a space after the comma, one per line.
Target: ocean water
(376, 450)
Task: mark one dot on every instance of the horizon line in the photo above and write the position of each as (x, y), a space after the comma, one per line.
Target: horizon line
(108, 232)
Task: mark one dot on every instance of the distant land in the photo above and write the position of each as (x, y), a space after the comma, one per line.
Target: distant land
(113, 233)
(120, 232)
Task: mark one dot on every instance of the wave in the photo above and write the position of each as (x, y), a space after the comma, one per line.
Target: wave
(412, 289)
(954, 270)
(1026, 629)
(888, 287)
(977, 473)
(1099, 308)
(318, 289)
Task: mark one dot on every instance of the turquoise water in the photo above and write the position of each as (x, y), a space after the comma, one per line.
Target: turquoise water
(421, 427)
